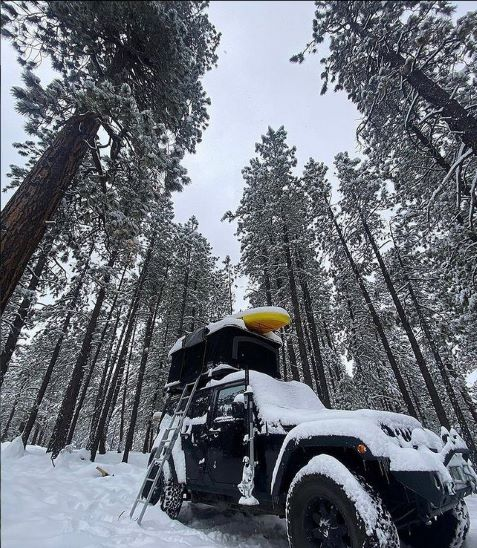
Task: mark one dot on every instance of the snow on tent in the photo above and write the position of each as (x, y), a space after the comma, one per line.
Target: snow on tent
(244, 340)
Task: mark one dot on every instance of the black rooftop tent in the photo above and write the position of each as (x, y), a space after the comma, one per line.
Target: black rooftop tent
(230, 345)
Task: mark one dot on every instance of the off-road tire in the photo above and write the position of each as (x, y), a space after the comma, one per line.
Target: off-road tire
(172, 497)
(169, 493)
(447, 531)
(316, 486)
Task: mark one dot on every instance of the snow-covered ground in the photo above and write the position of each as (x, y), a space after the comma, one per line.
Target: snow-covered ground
(71, 505)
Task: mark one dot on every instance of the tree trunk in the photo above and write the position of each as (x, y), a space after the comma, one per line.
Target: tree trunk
(65, 415)
(9, 421)
(296, 310)
(193, 311)
(87, 380)
(421, 362)
(123, 374)
(125, 387)
(284, 356)
(23, 310)
(104, 379)
(292, 358)
(376, 319)
(150, 433)
(113, 388)
(467, 434)
(147, 437)
(36, 434)
(322, 384)
(54, 358)
(25, 217)
(151, 320)
(457, 117)
(266, 279)
(184, 294)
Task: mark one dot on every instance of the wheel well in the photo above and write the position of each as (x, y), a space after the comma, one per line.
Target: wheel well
(346, 455)
(394, 495)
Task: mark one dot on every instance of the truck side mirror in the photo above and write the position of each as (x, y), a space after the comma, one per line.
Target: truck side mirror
(238, 405)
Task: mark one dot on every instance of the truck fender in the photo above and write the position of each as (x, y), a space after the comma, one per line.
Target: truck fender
(295, 444)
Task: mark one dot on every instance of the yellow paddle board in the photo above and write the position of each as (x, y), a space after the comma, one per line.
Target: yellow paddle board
(264, 319)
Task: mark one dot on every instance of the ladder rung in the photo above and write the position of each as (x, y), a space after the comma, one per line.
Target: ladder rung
(166, 445)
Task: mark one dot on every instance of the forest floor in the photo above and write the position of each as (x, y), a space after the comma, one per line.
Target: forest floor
(71, 505)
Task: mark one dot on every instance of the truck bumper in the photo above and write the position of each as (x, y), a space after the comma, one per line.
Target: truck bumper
(435, 496)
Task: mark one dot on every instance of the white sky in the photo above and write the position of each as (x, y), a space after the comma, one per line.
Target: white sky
(254, 86)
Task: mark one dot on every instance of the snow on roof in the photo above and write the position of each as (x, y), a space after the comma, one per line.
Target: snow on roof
(226, 322)
(234, 322)
(273, 337)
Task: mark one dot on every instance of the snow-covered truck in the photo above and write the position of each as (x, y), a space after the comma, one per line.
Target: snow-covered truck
(240, 436)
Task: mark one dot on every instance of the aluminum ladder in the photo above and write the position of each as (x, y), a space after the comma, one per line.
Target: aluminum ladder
(164, 449)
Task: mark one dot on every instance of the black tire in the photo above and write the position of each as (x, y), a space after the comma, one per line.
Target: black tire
(172, 497)
(320, 514)
(447, 531)
(169, 493)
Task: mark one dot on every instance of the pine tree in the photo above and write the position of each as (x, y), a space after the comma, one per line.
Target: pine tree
(131, 69)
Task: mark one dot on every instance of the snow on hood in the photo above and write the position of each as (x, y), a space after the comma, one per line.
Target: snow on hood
(425, 451)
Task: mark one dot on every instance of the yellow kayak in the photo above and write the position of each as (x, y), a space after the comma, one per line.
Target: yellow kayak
(264, 319)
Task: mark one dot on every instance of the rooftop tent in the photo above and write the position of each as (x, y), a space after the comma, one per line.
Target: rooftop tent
(231, 345)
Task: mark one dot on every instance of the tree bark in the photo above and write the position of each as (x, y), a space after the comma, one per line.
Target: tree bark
(23, 310)
(376, 319)
(266, 279)
(65, 414)
(284, 356)
(24, 218)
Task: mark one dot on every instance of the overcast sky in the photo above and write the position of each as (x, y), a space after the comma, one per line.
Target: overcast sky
(253, 87)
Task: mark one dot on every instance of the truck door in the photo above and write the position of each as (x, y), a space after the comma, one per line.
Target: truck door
(226, 436)
(194, 437)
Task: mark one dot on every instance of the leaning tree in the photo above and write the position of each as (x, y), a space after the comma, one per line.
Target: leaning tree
(129, 69)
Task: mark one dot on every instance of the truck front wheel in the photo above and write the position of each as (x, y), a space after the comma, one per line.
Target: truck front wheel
(329, 507)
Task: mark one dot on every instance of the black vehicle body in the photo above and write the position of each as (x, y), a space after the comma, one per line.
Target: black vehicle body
(214, 442)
